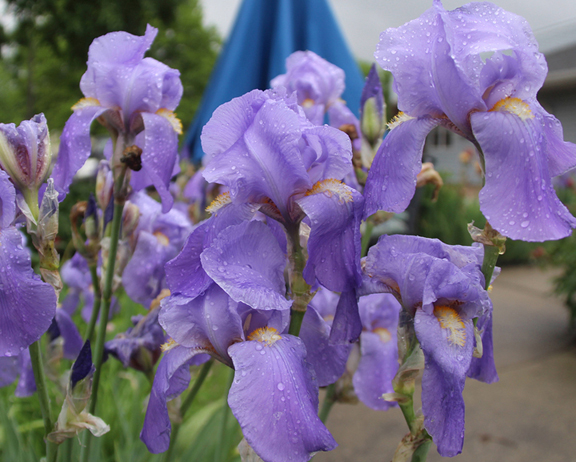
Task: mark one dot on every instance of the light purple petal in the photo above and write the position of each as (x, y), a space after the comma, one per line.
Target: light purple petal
(27, 383)
(7, 200)
(328, 361)
(334, 244)
(266, 161)
(171, 379)
(561, 154)
(209, 321)
(246, 261)
(392, 177)
(518, 198)
(159, 155)
(27, 305)
(75, 147)
(277, 408)
(377, 368)
(447, 360)
(8, 370)
(484, 368)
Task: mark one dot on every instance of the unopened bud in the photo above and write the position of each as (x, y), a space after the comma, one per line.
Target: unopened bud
(104, 184)
(429, 176)
(130, 219)
(25, 152)
(372, 121)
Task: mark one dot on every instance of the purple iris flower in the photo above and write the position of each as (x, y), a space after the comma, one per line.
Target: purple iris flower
(476, 71)
(13, 366)
(268, 154)
(240, 317)
(135, 97)
(158, 238)
(318, 84)
(441, 288)
(27, 305)
(139, 346)
(63, 329)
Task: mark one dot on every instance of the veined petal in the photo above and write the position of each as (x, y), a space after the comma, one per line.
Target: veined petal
(27, 305)
(171, 379)
(246, 261)
(518, 198)
(335, 211)
(392, 177)
(75, 147)
(266, 161)
(210, 321)
(277, 408)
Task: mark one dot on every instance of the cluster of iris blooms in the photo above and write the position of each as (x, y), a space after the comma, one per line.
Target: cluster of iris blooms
(272, 284)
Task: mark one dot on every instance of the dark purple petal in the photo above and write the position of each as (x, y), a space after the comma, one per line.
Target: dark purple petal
(277, 408)
(184, 274)
(518, 198)
(82, 366)
(246, 261)
(7, 200)
(209, 321)
(391, 183)
(27, 305)
(69, 332)
(328, 361)
(377, 368)
(171, 379)
(75, 146)
(346, 327)
(335, 211)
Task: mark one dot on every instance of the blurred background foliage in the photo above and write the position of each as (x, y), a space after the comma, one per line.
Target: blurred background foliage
(45, 55)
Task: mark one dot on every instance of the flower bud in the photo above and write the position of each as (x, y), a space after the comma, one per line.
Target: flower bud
(130, 219)
(372, 109)
(104, 184)
(25, 152)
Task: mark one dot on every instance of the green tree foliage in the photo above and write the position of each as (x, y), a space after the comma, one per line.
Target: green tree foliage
(46, 53)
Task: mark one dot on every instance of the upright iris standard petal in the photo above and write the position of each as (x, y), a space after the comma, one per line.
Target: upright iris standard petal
(75, 147)
(392, 177)
(278, 408)
(171, 379)
(27, 305)
(247, 263)
(265, 162)
(518, 198)
(335, 212)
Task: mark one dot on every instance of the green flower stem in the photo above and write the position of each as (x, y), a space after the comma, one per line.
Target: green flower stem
(186, 405)
(328, 402)
(367, 236)
(299, 288)
(40, 379)
(421, 452)
(95, 305)
(224, 423)
(491, 253)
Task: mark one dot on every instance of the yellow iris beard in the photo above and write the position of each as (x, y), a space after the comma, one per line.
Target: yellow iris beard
(451, 320)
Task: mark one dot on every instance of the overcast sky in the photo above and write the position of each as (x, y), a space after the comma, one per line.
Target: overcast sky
(553, 21)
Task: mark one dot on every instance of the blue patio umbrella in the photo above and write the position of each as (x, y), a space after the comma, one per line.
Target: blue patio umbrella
(265, 33)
